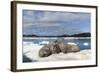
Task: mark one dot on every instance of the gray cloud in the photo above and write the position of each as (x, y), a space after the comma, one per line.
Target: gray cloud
(53, 23)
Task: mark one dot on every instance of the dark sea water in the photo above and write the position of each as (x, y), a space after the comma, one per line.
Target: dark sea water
(83, 43)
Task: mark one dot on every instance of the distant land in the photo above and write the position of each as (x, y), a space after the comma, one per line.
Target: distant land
(64, 35)
(82, 35)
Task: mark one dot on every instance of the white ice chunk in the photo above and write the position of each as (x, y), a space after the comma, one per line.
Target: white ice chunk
(71, 43)
(44, 42)
(85, 44)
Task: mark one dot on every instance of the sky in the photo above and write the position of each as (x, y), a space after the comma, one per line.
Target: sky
(53, 23)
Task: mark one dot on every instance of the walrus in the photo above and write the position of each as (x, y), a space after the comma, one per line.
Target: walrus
(66, 48)
(44, 51)
(56, 47)
(51, 48)
(72, 48)
(62, 47)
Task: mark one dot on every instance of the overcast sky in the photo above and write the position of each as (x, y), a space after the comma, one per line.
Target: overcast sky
(51, 23)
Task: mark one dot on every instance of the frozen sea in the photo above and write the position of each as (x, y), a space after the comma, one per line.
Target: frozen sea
(31, 47)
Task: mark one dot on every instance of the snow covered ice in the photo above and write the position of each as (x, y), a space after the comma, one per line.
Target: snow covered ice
(31, 50)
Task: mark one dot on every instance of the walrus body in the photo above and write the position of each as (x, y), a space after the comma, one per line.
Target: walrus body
(44, 51)
(57, 47)
(72, 48)
(49, 49)
(63, 47)
(54, 48)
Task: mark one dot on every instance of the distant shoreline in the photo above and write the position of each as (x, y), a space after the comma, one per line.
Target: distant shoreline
(63, 35)
(56, 37)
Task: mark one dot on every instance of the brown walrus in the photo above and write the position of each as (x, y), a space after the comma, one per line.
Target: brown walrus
(57, 47)
(72, 48)
(49, 49)
(44, 51)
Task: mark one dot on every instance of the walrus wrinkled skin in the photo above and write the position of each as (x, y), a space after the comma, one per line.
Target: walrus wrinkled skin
(54, 48)
(66, 48)
(44, 51)
(49, 49)
(71, 48)
(63, 47)
(57, 47)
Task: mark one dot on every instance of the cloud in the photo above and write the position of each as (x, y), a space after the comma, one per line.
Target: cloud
(28, 12)
(31, 16)
(42, 22)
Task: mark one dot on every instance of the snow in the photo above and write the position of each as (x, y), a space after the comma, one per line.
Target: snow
(31, 50)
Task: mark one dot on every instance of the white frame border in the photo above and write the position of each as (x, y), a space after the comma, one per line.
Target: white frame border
(21, 65)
